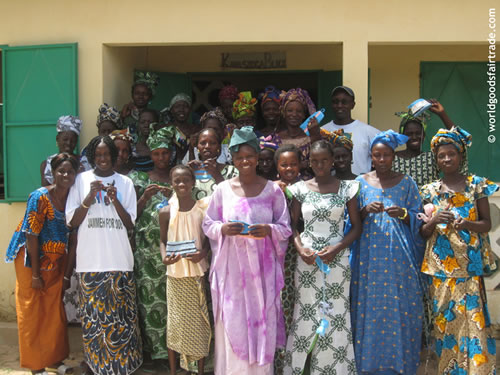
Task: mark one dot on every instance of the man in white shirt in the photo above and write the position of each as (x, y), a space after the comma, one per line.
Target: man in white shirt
(362, 134)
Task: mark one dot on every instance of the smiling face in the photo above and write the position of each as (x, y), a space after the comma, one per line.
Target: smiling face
(245, 160)
(66, 141)
(64, 175)
(288, 167)
(342, 105)
(180, 111)
(382, 157)
(271, 113)
(415, 132)
(141, 95)
(182, 182)
(294, 114)
(161, 158)
(208, 144)
(266, 161)
(321, 161)
(102, 159)
(342, 159)
(448, 159)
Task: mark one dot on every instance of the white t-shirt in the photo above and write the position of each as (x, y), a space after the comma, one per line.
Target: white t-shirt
(362, 135)
(103, 243)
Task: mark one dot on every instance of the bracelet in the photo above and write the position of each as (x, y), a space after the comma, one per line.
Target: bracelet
(405, 214)
(66, 278)
(83, 205)
(35, 277)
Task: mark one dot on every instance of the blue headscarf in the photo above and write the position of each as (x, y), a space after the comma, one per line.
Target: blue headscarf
(389, 138)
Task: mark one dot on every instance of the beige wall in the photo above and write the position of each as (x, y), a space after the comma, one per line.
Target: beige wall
(189, 36)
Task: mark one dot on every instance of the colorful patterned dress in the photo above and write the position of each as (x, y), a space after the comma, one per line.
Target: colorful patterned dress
(41, 319)
(457, 261)
(386, 289)
(150, 271)
(246, 277)
(332, 353)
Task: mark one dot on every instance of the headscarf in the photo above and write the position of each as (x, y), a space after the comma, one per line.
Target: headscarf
(270, 94)
(228, 92)
(338, 138)
(181, 97)
(244, 105)
(299, 95)
(121, 135)
(215, 114)
(244, 136)
(267, 144)
(406, 117)
(389, 138)
(455, 136)
(107, 113)
(148, 79)
(161, 138)
(69, 124)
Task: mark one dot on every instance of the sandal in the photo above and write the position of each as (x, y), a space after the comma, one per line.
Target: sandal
(62, 369)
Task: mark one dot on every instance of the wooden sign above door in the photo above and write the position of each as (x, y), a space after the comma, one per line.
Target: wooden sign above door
(254, 60)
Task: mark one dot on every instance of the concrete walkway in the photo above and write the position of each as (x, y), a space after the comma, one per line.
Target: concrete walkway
(9, 354)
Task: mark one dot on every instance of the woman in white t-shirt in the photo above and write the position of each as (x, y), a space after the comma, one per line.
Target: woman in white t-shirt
(102, 204)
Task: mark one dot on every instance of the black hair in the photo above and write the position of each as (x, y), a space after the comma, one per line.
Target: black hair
(61, 158)
(96, 141)
(154, 112)
(141, 84)
(217, 135)
(322, 145)
(287, 148)
(184, 168)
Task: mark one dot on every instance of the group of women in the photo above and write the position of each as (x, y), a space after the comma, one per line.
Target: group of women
(311, 269)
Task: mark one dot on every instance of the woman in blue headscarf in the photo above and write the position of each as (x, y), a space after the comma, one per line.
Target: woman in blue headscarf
(386, 291)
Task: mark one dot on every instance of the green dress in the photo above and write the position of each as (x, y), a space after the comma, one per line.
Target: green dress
(150, 271)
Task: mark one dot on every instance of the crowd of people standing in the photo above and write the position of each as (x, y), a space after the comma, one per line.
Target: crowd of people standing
(246, 245)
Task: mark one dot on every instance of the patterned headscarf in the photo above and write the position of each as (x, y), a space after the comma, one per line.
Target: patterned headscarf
(338, 138)
(244, 136)
(148, 79)
(228, 92)
(389, 138)
(215, 114)
(161, 138)
(121, 135)
(107, 113)
(270, 94)
(299, 95)
(406, 117)
(69, 124)
(455, 136)
(267, 144)
(244, 105)
(181, 97)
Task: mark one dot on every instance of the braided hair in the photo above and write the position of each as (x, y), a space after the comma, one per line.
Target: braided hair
(96, 141)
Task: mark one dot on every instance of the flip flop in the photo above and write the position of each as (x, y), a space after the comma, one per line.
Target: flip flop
(62, 369)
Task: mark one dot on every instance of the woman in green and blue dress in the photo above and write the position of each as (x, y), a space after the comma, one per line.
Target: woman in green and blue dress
(153, 190)
(457, 257)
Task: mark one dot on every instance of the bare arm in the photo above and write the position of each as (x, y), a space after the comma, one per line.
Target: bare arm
(164, 219)
(306, 254)
(42, 173)
(70, 264)
(32, 245)
(81, 212)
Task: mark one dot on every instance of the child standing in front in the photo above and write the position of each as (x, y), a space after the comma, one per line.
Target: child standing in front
(188, 324)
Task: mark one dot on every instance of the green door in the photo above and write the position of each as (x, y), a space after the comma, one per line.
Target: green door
(462, 89)
(39, 85)
(169, 85)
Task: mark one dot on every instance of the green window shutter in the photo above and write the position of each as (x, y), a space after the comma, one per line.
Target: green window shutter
(462, 89)
(169, 85)
(326, 82)
(39, 85)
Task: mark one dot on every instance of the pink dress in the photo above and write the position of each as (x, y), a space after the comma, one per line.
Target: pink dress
(246, 277)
